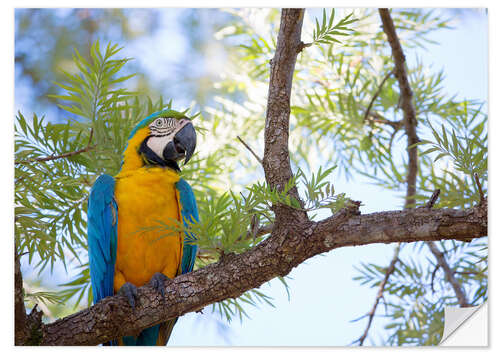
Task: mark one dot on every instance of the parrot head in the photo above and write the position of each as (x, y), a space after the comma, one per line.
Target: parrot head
(161, 139)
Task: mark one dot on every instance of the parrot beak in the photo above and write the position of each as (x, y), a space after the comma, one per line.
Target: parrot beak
(183, 144)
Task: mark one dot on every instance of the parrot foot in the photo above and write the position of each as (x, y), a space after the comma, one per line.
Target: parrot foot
(129, 290)
(158, 283)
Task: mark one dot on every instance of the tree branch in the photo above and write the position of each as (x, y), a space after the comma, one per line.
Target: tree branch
(410, 120)
(479, 188)
(380, 294)
(249, 149)
(61, 156)
(20, 317)
(379, 89)
(450, 276)
(377, 118)
(27, 327)
(112, 317)
(433, 199)
(276, 160)
(410, 124)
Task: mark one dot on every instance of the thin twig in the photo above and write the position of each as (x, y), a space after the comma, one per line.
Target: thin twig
(256, 230)
(480, 189)
(379, 89)
(388, 272)
(250, 149)
(303, 45)
(470, 273)
(61, 156)
(433, 276)
(457, 288)
(253, 233)
(254, 226)
(377, 118)
(433, 199)
(19, 179)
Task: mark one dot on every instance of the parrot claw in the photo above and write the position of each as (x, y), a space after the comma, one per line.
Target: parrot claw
(158, 283)
(129, 290)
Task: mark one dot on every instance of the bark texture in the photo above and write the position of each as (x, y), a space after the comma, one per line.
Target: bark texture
(276, 161)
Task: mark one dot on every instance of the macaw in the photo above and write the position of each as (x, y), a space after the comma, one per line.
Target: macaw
(148, 189)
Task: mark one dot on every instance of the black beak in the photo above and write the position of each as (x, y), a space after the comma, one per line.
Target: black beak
(183, 145)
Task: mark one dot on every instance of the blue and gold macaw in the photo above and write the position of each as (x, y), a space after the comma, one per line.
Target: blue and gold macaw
(148, 189)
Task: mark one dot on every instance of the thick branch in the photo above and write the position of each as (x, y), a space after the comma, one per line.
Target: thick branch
(276, 160)
(276, 256)
(410, 119)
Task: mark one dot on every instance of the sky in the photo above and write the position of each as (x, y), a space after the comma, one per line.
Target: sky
(323, 297)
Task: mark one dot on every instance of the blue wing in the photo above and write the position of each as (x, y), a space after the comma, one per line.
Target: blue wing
(189, 212)
(102, 220)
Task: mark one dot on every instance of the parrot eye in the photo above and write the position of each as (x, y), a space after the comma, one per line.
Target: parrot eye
(163, 126)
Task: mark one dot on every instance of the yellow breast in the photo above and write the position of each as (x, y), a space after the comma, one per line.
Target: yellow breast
(145, 197)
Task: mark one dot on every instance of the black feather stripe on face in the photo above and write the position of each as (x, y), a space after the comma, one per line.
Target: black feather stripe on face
(163, 124)
(151, 159)
(160, 132)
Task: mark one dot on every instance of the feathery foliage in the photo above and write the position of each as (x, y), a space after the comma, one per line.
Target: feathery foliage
(323, 34)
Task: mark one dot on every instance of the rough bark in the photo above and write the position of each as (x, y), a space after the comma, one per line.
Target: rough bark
(276, 161)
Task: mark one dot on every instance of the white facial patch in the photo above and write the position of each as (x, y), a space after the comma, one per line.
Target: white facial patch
(158, 143)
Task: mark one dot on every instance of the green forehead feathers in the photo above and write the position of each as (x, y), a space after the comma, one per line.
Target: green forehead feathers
(166, 113)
